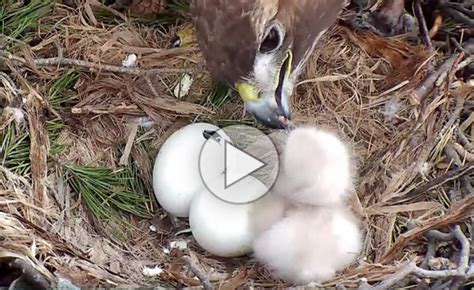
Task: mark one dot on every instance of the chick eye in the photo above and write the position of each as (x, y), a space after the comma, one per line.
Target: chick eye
(272, 41)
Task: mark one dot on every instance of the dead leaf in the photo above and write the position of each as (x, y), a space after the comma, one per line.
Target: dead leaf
(235, 282)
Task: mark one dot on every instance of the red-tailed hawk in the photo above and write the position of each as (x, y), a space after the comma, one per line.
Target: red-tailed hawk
(259, 47)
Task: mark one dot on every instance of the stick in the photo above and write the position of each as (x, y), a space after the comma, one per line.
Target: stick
(434, 236)
(453, 151)
(429, 83)
(194, 266)
(463, 152)
(465, 62)
(393, 279)
(58, 61)
(425, 34)
(462, 139)
(463, 271)
(128, 147)
(459, 16)
(440, 236)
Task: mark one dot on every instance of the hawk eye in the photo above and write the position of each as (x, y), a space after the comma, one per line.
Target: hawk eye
(272, 41)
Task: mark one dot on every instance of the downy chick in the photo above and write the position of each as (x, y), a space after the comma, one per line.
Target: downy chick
(316, 168)
(310, 244)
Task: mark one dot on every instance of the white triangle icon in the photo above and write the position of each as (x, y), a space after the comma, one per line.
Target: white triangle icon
(239, 164)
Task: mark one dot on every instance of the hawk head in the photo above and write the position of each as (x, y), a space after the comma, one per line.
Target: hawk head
(259, 47)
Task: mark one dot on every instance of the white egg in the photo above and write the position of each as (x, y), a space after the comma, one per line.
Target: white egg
(176, 177)
(222, 228)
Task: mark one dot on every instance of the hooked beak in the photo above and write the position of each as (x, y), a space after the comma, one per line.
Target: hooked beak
(271, 108)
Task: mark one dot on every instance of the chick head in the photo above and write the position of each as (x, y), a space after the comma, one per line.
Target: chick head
(316, 168)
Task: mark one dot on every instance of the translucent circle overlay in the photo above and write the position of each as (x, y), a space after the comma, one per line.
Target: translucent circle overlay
(238, 164)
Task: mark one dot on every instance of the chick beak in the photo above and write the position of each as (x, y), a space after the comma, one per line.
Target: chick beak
(271, 108)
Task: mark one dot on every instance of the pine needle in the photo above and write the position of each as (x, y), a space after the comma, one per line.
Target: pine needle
(105, 191)
(15, 22)
(178, 6)
(219, 96)
(15, 150)
(54, 128)
(59, 95)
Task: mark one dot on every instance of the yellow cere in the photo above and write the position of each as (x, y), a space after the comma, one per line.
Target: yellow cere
(247, 92)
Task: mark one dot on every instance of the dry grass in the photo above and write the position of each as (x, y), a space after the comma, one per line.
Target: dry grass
(358, 85)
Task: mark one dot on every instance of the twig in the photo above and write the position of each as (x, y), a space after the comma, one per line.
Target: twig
(466, 186)
(465, 62)
(465, 7)
(58, 61)
(462, 139)
(433, 236)
(464, 153)
(470, 120)
(465, 250)
(454, 151)
(107, 109)
(429, 83)
(194, 266)
(458, 12)
(463, 271)
(425, 34)
(453, 154)
(392, 280)
(130, 141)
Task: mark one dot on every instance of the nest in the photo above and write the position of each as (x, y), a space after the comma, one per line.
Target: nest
(80, 133)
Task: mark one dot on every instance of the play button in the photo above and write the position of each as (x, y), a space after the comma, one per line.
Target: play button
(238, 164)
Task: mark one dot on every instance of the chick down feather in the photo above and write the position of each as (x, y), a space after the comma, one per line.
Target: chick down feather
(310, 244)
(316, 168)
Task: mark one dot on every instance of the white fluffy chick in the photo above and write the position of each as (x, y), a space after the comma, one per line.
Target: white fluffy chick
(316, 168)
(310, 244)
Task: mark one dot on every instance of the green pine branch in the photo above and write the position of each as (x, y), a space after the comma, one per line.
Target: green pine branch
(16, 22)
(15, 150)
(106, 192)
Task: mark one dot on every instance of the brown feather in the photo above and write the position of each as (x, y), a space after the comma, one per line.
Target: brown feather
(229, 32)
(304, 20)
(226, 36)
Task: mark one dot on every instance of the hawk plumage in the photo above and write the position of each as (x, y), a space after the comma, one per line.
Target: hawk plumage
(260, 46)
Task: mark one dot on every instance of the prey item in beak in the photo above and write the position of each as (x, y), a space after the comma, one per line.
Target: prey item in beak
(271, 108)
